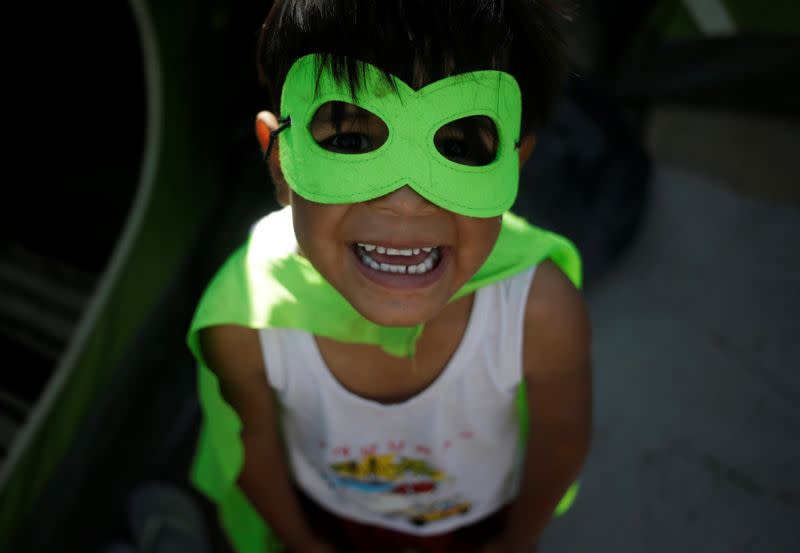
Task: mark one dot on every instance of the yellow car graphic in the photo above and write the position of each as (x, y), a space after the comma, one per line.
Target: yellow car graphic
(440, 512)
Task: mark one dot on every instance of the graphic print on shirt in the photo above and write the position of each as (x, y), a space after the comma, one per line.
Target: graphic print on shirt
(396, 486)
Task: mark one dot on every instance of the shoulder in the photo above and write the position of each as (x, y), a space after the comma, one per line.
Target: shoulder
(557, 328)
(233, 353)
(226, 346)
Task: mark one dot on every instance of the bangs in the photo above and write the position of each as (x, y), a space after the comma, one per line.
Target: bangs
(418, 41)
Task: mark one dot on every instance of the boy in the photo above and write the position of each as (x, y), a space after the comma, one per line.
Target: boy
(370, 361)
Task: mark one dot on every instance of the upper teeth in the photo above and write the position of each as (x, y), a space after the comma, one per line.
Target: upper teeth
(394, 251)
(419, 268)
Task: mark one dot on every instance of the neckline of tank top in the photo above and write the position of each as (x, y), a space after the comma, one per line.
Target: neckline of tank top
(468, 343)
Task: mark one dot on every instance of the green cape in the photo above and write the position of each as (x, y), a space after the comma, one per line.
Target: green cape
(265, 284)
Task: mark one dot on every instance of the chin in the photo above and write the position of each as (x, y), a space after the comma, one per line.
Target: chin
(398, 316)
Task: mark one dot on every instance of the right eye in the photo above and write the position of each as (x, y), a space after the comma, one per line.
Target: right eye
(346, 128)
(348, 143)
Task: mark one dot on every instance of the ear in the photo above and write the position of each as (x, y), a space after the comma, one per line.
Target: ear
(266, 122)
(527, 144)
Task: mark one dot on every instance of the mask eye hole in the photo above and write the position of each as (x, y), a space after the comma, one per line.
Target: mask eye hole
(346, 128)
(469, 141)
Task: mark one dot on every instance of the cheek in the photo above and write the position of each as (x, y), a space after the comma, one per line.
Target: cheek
(317, 228)
(476, 238)
(303, 228)
(481, 236)
(492, 229)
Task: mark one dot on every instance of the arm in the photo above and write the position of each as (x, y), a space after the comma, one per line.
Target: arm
(557, 372)
(234, 354)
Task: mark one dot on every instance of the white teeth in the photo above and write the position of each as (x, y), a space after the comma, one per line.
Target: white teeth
(393, 251)
(418, 269)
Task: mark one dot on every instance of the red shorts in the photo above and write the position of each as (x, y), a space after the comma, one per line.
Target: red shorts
(350, 536)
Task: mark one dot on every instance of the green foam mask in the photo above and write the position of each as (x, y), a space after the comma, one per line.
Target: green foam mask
(409, 155)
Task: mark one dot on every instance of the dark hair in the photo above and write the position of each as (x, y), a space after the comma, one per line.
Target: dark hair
(420, 41)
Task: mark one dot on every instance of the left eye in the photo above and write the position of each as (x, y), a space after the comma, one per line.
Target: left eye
(454, 149)
(470, 140)
(349, 142)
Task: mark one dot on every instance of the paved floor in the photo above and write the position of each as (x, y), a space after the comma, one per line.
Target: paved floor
(697, 381)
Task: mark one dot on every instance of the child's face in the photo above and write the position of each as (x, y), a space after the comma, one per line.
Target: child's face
(398, 258)
(329, 236)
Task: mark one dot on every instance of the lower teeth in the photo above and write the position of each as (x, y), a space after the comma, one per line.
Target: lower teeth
(417, 269)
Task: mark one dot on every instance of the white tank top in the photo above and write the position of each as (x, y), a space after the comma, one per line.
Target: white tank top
(442, 459)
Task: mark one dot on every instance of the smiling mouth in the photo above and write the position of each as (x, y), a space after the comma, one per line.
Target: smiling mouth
(406, 261)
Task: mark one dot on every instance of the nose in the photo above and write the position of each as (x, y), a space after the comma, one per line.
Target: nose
(404, 201)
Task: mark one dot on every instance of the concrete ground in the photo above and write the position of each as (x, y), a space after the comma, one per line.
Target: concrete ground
(697, 353)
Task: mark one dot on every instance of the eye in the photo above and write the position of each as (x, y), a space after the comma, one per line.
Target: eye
(469, 141)
(346, 128)
(348, 143)
(454, 148)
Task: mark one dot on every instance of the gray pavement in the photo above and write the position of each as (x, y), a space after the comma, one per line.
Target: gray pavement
(697, 382)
